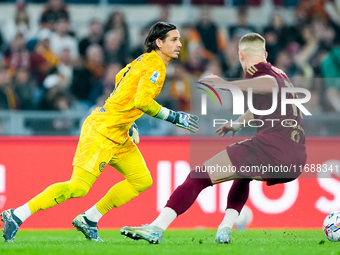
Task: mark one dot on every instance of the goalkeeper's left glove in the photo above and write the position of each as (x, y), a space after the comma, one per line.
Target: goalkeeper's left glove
(180, 119)
(133, 133)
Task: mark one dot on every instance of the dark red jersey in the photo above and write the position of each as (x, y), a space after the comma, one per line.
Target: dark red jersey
(284, 124)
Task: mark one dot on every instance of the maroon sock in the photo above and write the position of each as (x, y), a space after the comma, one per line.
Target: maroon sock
(238, 194)
(185, 195)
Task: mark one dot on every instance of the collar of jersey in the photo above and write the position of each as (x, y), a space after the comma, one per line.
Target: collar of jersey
(158, 56)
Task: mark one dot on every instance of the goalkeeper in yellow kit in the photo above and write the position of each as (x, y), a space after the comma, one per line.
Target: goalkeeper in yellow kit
(104, 138)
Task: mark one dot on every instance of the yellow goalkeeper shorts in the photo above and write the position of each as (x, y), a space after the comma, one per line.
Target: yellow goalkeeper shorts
(95, 151)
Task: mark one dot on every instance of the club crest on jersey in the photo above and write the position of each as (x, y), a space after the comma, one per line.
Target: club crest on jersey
(102, 166)
(154, 76)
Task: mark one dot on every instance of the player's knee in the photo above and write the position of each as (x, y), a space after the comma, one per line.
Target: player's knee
(78, 188)
(148, 182)
(81, 191)
(60, 192)
(142, 183)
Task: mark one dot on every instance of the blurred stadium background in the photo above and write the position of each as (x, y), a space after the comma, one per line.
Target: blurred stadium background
(58, 61)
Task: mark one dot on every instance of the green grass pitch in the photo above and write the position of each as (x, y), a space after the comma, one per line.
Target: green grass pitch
(175, 242)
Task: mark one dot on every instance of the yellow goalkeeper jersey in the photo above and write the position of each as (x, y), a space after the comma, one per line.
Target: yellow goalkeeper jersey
(137, 84)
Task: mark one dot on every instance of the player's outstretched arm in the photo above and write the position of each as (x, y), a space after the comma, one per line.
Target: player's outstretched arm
(236, 125)
(144, 101)
(180, 119)
(260, 85)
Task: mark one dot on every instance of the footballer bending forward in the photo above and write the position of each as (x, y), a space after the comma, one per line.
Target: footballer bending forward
(272, 145)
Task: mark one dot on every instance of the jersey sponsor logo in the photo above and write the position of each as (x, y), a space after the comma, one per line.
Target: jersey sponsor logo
(102, 166)
(154, 76)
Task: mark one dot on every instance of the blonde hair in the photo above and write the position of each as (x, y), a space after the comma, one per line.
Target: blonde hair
(252, 43)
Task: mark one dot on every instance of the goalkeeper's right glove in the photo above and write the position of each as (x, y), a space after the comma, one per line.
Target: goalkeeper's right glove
(180, 119)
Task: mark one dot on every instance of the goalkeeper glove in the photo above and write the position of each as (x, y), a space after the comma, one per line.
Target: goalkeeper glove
(133, 133)
(180, 119)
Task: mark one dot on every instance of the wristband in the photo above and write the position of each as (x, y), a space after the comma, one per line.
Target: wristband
(237, 127)
(166, 114)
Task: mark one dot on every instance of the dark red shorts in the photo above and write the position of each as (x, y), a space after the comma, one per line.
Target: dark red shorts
(273, 156)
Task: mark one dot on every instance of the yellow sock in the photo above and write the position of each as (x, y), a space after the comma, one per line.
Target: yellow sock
(118, 195)
(78, 186)
(122, 193)
(138, 179)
